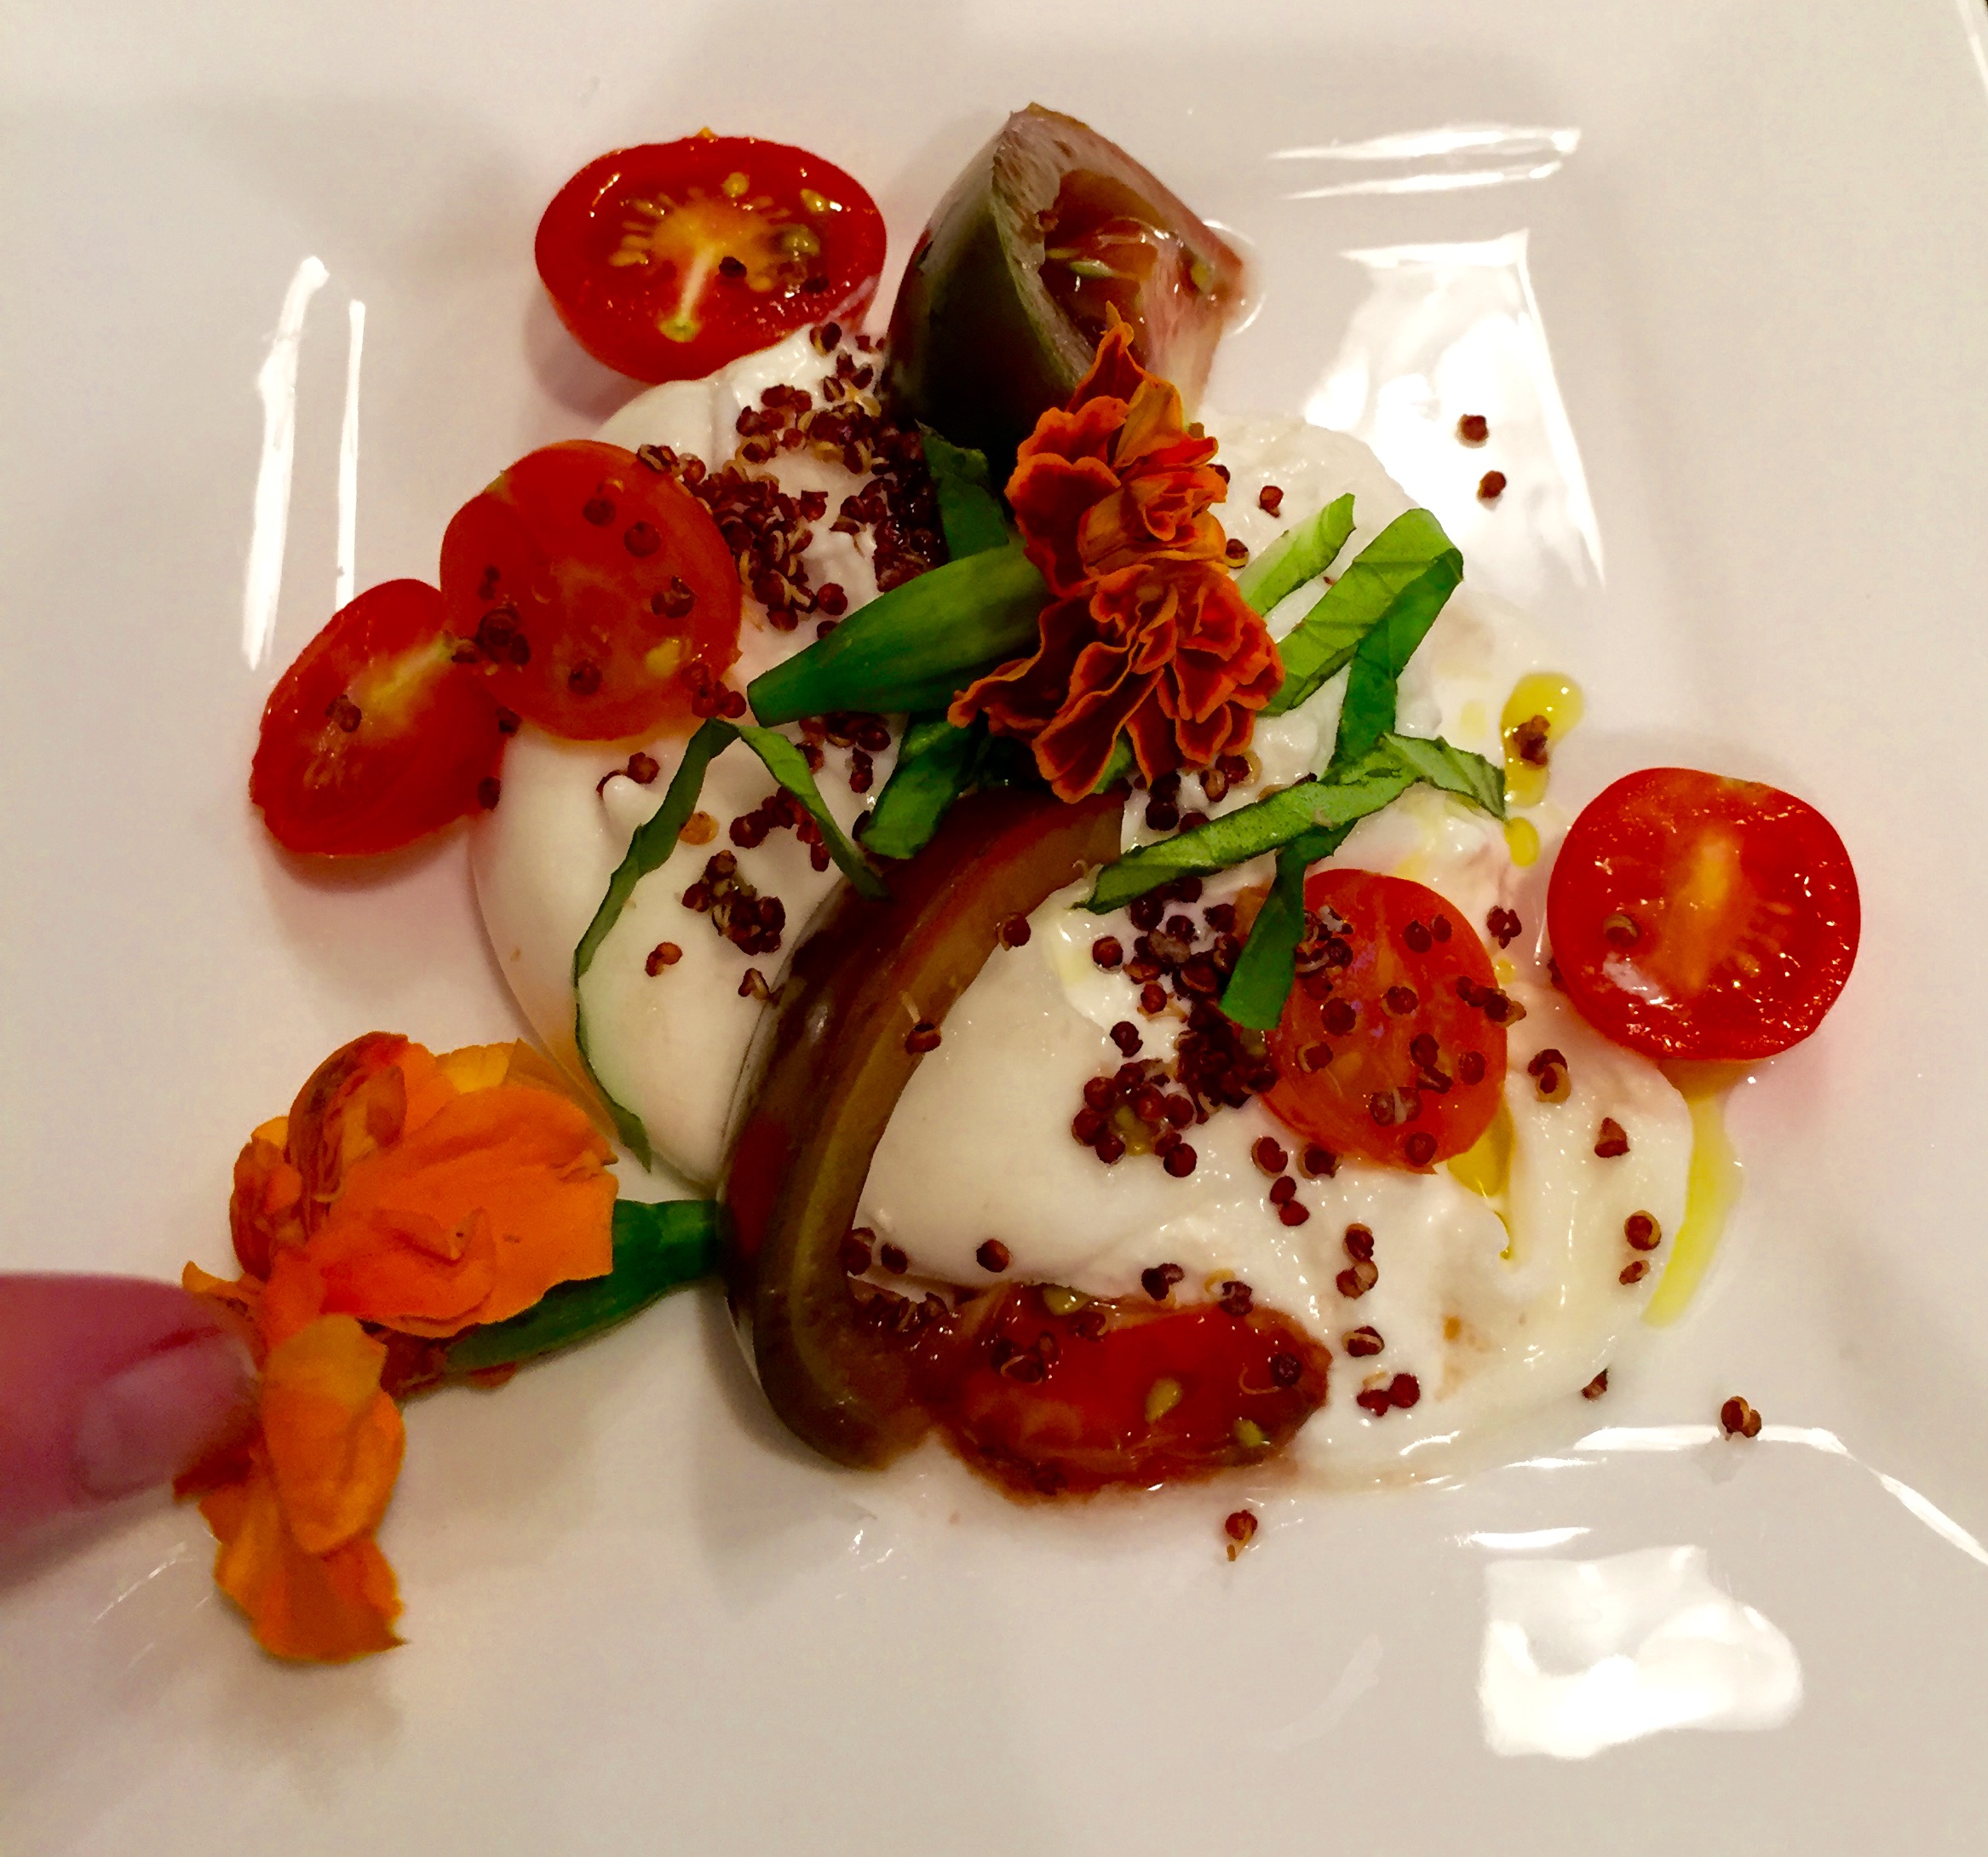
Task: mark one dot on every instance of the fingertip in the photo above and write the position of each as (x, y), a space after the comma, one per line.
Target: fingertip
(107, 1386)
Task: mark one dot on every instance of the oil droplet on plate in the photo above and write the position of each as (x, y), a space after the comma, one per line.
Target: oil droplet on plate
(1543, 708)
(1522, 841)
(1711, 1190)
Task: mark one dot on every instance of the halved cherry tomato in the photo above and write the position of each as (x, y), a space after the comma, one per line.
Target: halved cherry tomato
(375, 737)
(599, 592)
(1395, 1049)
(670, 260)
(1696, 916)
(1119, 1392)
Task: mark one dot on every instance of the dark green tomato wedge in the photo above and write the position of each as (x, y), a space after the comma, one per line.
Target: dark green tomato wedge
(867, 995)
(1049, 229)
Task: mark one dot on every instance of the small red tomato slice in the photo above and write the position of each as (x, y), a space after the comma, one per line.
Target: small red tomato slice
(1119, 1392)
(1697, 916)
(670, 260)
(375, 737)
(599, 592)
(1395, 1049)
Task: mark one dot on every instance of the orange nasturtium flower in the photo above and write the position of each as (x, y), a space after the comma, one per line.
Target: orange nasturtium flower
(1144, 634)
(403, 1195)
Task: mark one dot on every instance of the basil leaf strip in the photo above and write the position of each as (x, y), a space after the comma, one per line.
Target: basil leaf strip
(935, 761)
(1250, 830)
(1374, 616)
(1261, 982)
(652, 843)
(1435, 763)
(1118, 767)
(1395, 763)
(917, 647)
(968, 510)
(1297, 555)
(1406, 575)
(656, 1248)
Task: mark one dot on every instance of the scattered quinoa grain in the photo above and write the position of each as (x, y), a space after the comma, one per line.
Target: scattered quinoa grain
(1318, 1163)
(1241, 1529)
(1739, 1419)
(1158, 1281)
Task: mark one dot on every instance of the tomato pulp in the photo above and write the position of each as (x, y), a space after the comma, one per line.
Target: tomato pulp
(1696, 916)
(1050, 1403)
(598, 594)
(1393, 1046)
(668, 260)
(375, 737)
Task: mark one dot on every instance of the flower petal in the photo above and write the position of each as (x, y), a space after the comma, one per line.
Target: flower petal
(334, 1439)
(473, 1216)
(319, 1609)
(1114, 373)
(1050, 495)
(265, 1210)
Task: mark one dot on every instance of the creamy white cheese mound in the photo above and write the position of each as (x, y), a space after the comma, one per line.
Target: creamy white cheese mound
(1499, 1277)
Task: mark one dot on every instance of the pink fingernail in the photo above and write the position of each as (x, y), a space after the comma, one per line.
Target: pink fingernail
(161, 1415)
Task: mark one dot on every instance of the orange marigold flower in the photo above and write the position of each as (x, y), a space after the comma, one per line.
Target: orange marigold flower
(1115, 477)
(1174, 659)
(1147, 636)
(419, 1196)
(437, 1194)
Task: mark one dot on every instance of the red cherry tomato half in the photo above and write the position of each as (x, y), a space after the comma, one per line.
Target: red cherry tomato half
(1395, 1049)
(375, 737)
(670, 260)
(599, 592)
(1697, 916)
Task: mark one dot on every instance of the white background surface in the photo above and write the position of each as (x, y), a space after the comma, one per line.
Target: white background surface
(639, 1619)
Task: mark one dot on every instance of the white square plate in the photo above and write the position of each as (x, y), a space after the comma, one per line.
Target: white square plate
(1746, 348)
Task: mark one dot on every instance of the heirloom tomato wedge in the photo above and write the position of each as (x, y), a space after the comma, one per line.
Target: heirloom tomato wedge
(1041, 1389)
